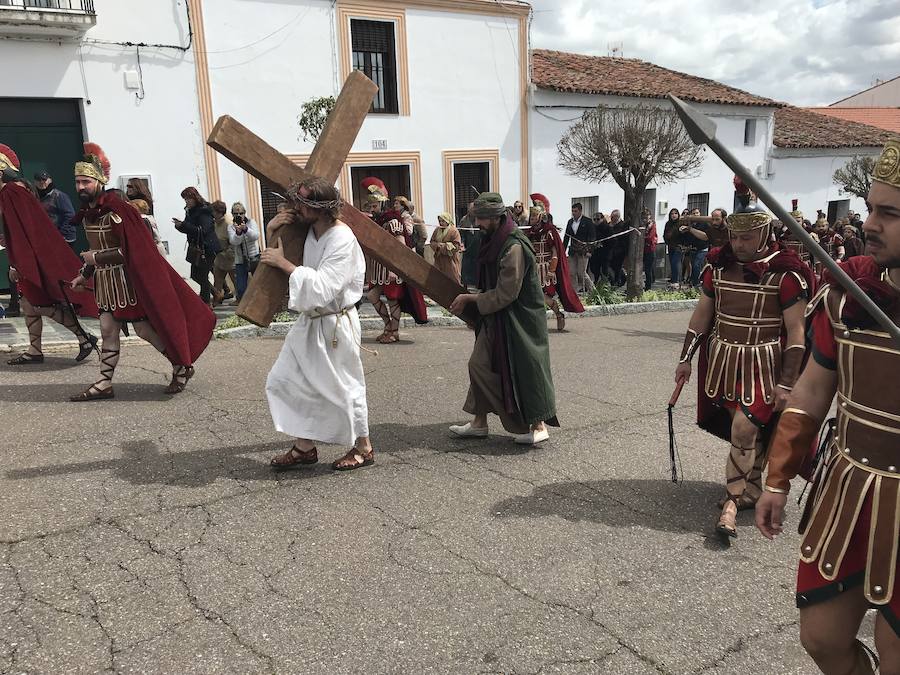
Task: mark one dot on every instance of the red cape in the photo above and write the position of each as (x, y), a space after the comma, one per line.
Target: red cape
(176, 312)
(39, 253)
(567, 295)
(710, 416)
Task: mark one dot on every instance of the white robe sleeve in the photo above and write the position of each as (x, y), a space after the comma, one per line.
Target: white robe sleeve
(312, 289)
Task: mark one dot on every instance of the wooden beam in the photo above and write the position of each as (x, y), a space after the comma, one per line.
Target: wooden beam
(265, 294)
(257, 157)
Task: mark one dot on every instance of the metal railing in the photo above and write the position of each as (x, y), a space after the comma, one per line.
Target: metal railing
(77, 6)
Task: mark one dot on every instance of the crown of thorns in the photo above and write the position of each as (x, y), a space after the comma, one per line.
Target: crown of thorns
(294, 194)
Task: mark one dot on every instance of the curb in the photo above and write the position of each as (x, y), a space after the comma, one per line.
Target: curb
(441, 321)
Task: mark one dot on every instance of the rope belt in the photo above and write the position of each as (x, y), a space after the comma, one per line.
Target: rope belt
(339, 313)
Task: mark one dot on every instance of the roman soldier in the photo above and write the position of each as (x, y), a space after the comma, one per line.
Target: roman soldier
(41, 262)
(374, 196)
(789, 240)
(133, 283)
(400, 296)
(848, 547)
(829, 239)
(552, 263)
(749, 328)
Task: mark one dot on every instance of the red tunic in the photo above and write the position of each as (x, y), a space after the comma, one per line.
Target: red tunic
(183, 321)
(39, 253)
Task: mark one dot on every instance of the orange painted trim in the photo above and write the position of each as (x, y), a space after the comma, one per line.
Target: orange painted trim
(204, 96)
(254, 205)
(451, 157)
(379, 12)
(524, 80)
(413, 159)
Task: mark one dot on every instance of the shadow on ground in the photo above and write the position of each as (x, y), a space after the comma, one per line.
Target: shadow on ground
(654, 504)
(142, 462)
(50, 363)
(49, 393)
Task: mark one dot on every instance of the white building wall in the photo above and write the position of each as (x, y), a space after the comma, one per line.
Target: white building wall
(884, 95)
(463, 82)
(553, 113)
(805, 174)
(157, 135)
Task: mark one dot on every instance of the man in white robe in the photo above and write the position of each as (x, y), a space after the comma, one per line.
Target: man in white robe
(317, 389)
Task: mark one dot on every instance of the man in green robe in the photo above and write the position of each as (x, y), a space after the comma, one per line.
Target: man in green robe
(509, 370)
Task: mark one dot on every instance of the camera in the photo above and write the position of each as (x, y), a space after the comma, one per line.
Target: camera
(238, 220)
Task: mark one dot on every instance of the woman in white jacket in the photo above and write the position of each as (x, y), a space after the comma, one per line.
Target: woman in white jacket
(243, 234)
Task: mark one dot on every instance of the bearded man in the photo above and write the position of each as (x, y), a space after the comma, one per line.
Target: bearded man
(749, 327)
(133, 283)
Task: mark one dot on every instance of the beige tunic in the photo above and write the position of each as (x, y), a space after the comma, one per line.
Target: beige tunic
(447, 246)
(485, 387)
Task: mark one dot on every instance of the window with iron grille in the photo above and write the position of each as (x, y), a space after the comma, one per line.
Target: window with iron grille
(469, 180)
(269, 205)
(699, 201)
(375, 54)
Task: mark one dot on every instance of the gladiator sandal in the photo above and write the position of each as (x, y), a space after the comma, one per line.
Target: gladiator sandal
(33, 323)
(180, 377)
(109, 359)
(727, 525)
(86, 342)
(737, 471)
(753, 488)
(380, 308)
(392, 331)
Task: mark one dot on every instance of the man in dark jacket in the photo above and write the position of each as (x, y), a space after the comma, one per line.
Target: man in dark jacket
(57, 205)
(580, 233)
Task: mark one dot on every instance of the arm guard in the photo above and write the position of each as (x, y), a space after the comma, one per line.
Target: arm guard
(87, 271)
(554, 263)
(790, 446)
(791, 363)
(692, 342)
(110, 256)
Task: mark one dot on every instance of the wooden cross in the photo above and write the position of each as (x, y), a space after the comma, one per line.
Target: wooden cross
(268, 286)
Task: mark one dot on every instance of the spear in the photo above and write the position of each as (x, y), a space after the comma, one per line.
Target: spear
(702, 131)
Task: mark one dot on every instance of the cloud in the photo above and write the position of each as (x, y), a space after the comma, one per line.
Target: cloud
(805, 52)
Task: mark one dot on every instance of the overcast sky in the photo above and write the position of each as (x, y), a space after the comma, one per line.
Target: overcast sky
(805, 52)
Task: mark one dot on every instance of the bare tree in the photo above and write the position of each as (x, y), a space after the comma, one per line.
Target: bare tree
(635, 146)
(856, 175)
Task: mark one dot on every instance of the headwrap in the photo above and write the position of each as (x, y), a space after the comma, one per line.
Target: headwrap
(94, 165)
(447, 218)
(489, 205)
(887, 168)
(8, 158)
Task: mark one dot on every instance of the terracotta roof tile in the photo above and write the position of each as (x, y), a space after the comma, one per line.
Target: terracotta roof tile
(802, 128)
(883, 118)
(580, 73)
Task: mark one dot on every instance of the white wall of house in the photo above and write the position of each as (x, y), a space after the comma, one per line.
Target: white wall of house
(157, 135)
(553, 113)
(463, 83)
(805, 174)
(886, 94)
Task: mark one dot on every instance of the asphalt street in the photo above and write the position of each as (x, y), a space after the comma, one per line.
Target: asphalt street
(148, 533)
